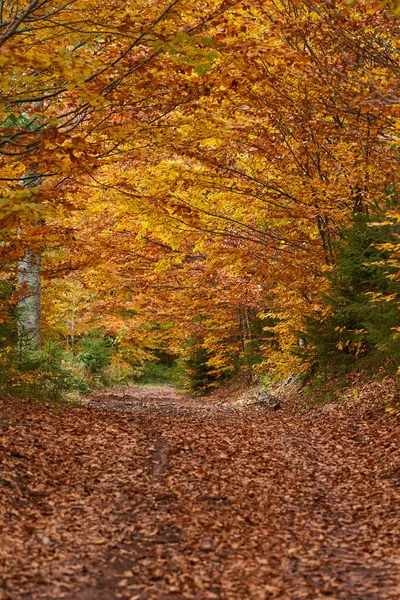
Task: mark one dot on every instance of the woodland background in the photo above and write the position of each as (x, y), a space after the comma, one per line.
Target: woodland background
(197, 191)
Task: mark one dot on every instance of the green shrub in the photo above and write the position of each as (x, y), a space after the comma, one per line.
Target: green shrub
(79, 383)
(155, 372)
(95, 352)
(8, 336)
(44, 376)
(199, 377)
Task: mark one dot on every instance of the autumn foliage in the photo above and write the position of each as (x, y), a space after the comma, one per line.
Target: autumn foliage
(185, 170)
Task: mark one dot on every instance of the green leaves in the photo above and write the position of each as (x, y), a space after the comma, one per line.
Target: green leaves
(200, 69)
(188, 49)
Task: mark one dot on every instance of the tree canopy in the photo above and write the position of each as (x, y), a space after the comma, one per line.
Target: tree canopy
(185, 169)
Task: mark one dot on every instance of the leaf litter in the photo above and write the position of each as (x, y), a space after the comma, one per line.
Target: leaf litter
(145, 494)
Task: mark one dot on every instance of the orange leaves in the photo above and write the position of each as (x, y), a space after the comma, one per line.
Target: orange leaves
(191, 194)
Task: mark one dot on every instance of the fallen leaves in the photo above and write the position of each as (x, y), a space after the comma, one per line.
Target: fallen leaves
(151, 495)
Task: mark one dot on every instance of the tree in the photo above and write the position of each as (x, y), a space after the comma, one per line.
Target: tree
(359, 313)
(196, 160)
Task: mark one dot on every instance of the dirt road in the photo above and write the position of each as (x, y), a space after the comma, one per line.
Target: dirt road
(145, 495)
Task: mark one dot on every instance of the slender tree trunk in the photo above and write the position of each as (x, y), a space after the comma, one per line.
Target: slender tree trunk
(244, 322)
(73, 330)
(29, 282)
(29, 307)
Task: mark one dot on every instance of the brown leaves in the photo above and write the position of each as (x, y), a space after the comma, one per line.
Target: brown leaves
(155, 496)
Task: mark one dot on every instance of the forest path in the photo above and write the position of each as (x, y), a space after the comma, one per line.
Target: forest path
(145, 494)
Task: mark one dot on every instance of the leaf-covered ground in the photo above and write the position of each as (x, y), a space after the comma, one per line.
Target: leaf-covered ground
(144, 494)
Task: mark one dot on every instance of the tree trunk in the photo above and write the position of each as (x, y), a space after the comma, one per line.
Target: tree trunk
(29, 306)
(29, 283)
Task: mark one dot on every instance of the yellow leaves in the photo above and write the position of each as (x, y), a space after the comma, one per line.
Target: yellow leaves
(205, 188)
(14, 58)
(165, 263)
(20, 203)
(394, 5)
